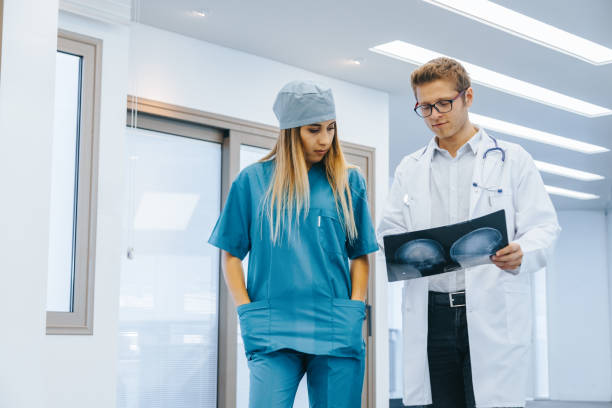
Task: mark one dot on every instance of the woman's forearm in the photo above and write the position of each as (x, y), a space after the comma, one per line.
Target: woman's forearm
(360, 269)
(234, 278)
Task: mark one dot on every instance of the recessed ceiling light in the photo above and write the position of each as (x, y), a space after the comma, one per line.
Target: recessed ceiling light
(524, 132)
(528, 28)
(416, 55)
(201, 13)
(570, 193)
(566, 171)
(357, 61)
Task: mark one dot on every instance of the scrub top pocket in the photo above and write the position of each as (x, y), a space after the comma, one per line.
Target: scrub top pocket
(255, 325)
(331, 234)
(348, 316)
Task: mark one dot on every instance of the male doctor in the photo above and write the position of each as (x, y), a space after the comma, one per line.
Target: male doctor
(467, 333)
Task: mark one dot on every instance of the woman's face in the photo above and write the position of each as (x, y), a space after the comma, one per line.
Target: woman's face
(317, 139)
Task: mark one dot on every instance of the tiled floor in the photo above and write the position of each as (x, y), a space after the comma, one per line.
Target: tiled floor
(544, 404)
(572, 404)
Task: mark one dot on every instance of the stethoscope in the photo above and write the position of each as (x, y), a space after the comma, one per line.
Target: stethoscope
(408, 200)
(498, 190)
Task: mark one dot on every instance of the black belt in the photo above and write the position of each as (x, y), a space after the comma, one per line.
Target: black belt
(453, 299)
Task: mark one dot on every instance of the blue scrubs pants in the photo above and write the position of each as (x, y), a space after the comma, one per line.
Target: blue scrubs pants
(333, 382)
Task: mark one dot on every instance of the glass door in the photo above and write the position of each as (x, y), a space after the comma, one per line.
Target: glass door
(168, 324)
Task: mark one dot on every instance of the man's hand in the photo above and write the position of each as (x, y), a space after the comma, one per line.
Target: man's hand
(508, 258)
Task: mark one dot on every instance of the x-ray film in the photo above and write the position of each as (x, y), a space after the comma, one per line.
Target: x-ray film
(443, 249)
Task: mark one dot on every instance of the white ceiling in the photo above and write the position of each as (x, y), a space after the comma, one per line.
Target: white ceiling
(322, 36)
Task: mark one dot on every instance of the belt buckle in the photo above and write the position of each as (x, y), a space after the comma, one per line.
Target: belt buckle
(452, 301)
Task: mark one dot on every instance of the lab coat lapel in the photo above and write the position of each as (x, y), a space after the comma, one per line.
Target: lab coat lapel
(420, 201)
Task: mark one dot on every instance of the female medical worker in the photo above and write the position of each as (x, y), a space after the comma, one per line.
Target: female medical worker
(301, 213)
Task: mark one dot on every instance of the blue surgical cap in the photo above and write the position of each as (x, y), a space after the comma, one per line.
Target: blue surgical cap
(302, 103)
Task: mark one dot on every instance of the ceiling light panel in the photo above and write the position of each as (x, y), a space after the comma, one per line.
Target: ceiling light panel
(566, 171)
(570, 193)
(524, 132)
(417, 55)
(529, 29)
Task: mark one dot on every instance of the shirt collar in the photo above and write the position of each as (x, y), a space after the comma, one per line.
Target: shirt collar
(474, 142)
(471, 144)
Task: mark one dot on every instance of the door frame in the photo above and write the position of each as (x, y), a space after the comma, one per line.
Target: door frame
(159, 116)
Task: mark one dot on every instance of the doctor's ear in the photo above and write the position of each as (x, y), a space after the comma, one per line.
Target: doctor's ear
(468, 97)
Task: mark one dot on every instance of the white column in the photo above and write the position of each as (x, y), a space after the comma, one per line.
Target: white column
(27, 78)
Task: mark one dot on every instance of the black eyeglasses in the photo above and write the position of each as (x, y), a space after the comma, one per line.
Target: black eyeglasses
(443, 106)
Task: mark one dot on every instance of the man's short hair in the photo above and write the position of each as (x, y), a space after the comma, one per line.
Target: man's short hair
(441, 68)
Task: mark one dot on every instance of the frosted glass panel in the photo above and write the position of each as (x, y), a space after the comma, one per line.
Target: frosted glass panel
(169, 283)
(64, 165)
(249, 155)
(394, 293)
(540, 336)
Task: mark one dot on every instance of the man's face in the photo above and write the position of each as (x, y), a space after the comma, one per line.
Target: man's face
(448, 124)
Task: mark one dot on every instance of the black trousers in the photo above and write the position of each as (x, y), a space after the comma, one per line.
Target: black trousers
(448, 351)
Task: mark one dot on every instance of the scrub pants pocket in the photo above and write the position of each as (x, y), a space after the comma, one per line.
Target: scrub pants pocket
(348, 316)
(255, 325)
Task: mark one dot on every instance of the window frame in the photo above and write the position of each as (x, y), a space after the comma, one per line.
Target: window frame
(80, 319)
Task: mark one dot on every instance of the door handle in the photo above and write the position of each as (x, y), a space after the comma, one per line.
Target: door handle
(369, 319)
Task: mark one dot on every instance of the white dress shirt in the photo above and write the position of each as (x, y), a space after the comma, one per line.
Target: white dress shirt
(450, 183)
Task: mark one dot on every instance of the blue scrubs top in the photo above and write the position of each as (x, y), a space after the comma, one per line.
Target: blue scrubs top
(300, 287)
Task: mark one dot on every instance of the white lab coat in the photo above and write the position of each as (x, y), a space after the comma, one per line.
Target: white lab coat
(498, 302)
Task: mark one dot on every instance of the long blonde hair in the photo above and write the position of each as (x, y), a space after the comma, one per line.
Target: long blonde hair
(289, 192)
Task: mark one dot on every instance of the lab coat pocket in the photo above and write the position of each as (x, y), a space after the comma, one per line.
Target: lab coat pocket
(255, 325)
(518, 312)
(348, 316)
(331, 234)
(500, 201)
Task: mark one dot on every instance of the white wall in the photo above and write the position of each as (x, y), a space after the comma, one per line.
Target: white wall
(174, 69)
(82, 370)
(579, 310)
(407, 132)
(27, 75)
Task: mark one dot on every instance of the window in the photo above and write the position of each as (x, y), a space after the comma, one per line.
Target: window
(168, 313)
(74, 186)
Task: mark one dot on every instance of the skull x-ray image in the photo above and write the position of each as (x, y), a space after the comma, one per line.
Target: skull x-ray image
(476, 247)
(422, 254)
(443, 249)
